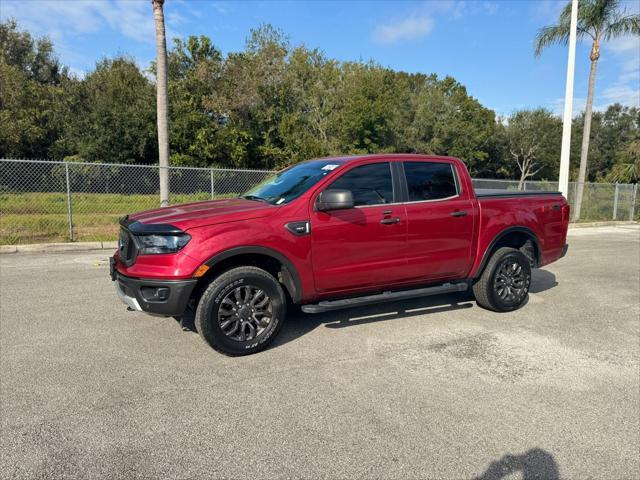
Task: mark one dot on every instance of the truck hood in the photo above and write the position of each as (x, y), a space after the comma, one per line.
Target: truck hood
(199, 214)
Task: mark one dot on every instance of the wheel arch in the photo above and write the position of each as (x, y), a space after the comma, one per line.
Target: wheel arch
(521, 238)
(268, 259)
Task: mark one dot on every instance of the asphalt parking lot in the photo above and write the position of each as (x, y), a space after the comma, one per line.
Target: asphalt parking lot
(430, 388)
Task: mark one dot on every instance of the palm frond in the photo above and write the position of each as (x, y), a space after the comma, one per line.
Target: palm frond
(554, 34)
(629, 24)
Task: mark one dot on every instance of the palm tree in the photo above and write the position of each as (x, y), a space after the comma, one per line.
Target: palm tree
(162, 102)
(598, 20)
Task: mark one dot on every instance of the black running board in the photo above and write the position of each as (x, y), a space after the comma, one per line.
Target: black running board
(328, 305)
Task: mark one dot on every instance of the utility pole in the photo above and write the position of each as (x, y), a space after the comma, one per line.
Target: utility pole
(563, 180)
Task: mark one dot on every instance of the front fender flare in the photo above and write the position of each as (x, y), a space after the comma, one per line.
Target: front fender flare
(291, 278)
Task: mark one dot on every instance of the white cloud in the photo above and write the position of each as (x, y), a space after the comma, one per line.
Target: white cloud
(623, 44)
(68, 22)
(133, 19)
(620, 93)
(412, 28)
(625, 89)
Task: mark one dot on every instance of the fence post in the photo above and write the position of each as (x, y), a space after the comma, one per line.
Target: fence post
(213, 185)
(633, 201)
(615, 202)
(69, 205)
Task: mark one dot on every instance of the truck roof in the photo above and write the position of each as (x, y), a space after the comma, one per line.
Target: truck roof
(386, 156)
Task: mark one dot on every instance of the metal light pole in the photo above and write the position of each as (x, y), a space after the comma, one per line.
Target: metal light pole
(563, 180)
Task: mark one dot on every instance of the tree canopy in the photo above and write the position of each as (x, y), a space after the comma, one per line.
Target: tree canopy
(273, 104)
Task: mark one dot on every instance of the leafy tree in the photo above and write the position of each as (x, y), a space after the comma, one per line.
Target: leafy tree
(33, 57)
(112, 115)
(367, 109)
(599, 21)
(627, 168)
(272, 104)
(194, 68)
(33, 85)
(450, 122)
(611, 131)
(533, 142)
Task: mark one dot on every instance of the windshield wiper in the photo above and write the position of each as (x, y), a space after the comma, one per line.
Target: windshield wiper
(254, 197)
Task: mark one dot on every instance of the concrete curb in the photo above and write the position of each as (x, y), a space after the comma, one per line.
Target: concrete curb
(112, 245)
(610, 223)
(58, 247)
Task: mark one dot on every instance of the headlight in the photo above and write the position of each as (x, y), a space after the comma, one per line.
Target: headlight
(153, 244)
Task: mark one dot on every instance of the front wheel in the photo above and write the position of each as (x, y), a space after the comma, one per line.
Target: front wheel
(505, 281)
(241, 311)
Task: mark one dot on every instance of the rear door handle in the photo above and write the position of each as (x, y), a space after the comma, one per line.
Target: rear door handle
(390, 221)
(459, 213)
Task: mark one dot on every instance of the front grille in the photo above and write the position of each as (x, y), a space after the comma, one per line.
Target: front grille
(127, 247)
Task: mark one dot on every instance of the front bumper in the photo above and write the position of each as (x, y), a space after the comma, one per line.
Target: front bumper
(167, 298)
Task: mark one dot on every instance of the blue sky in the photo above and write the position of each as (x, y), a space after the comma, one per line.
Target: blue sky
(486, 45)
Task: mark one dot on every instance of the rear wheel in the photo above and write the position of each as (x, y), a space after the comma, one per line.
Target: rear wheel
(241, 311)
(504, 283)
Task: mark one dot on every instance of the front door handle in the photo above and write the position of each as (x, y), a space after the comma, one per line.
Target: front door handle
(459, 213)
(390, 221)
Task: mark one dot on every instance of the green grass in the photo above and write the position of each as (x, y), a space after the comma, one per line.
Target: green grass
(42, 217)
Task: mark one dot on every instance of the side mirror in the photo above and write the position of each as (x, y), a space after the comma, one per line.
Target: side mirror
(334, 200)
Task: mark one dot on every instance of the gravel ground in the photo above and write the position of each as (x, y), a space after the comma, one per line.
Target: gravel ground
(428, 388)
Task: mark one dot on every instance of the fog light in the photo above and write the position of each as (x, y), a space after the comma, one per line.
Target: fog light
(155, 294)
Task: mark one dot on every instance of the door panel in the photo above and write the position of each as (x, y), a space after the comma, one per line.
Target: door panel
(358, 247)
(440, 222)
(363, 246)
(439, 244)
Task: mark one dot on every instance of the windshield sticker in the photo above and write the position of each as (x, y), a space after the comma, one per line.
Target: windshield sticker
(330, 167)
(280, 201)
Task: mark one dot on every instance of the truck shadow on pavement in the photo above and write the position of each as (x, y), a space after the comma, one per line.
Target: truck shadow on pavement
(299, 323)
(542, 280)
(535, 464)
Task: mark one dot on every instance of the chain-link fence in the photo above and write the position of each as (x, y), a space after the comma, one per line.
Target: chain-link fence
(43, 201)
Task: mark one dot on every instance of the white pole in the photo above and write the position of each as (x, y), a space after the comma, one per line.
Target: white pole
(563, 181)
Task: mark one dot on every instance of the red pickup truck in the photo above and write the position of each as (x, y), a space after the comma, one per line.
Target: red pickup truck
(335, 233)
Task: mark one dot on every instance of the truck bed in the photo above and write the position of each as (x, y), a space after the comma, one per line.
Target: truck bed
(487, 192)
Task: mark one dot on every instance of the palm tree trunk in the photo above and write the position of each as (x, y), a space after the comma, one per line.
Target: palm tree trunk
(586, 133)
(162, 102)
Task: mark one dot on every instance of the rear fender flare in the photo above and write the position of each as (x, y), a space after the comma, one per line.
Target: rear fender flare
(500, 236)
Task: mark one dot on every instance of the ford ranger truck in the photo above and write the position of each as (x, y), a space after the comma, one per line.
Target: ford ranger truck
(335, 233)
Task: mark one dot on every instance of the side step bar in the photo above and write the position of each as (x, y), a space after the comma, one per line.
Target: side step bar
(328, 305)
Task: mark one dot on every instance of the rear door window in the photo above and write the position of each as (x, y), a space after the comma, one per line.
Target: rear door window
(430, 181)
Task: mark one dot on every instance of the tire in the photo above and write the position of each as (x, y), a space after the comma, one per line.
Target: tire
(505, 281)
(229, 331)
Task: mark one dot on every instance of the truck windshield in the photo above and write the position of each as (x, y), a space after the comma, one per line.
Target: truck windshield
(290, 183)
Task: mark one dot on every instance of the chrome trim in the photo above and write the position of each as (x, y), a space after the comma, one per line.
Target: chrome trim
(456, 180)
(130, 302)
(434, 199)
(379, 205)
